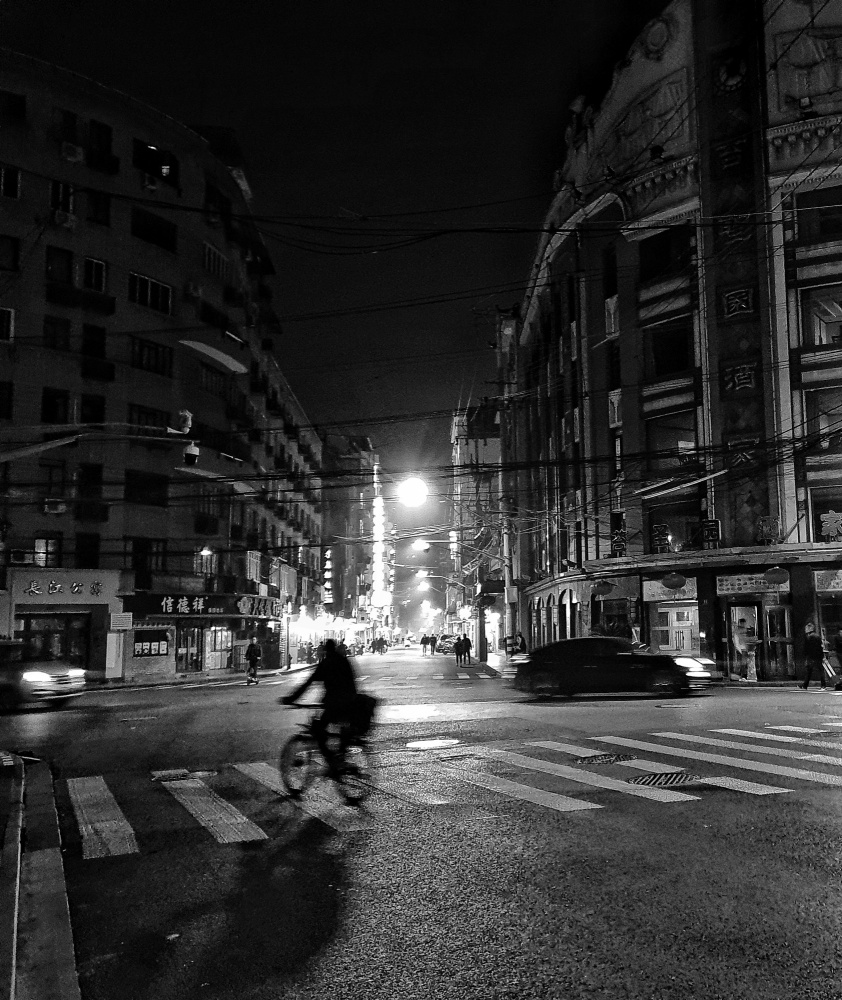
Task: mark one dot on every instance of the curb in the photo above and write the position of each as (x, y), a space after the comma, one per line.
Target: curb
(179, 679)
(10, 873)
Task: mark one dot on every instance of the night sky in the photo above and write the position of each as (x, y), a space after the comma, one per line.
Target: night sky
(374, 134)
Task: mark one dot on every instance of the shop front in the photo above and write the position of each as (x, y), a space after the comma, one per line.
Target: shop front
(672, 615)
(177, 633)
(66, 615)
(755, 625)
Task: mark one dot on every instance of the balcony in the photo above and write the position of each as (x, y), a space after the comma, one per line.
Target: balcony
(97, 368)
(91, 510)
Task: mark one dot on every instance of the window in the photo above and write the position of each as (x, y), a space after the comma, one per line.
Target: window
(146, 488)
(675, 527)
(669, 349)
(6, 400)
(99, 156)
(154, 229)
(152, 357)
(613, 365)
(824, 418)
(92, 409)
(215, 263)
(65, 125)
(55, 406)
(59, 265)
(12, 107)
(144, 418)
(150, 293)
(87, 551)
(62, 196)
(89, 481)
(54, 478)
(9, 253)
(93, 274)
(7, 324)
(157, 164)
(48, 551)
(668, 439)
(214, 381)
(819, 215)
(146, 554)
(93, 341)
(217, 205)
(667, 254)
(57, 333)
(822, 315)
(9, 182)
(609, 272)
(99, 208)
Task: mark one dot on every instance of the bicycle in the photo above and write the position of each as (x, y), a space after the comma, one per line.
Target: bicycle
(301, 762)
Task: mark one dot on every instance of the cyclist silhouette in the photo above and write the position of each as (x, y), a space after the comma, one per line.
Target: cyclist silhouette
(335, 672)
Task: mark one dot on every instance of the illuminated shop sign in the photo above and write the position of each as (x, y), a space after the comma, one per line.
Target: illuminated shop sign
(203, 606)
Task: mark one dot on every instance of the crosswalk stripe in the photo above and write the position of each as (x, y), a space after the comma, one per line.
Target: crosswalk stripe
(651, 766)
(788, 729)
(827, 744)
(264, 774)
(817, 758)
(566, 748)
(104, 829)
(225, 823)
(589, 778)
(516, 790)
(718, 758)
(741, 785)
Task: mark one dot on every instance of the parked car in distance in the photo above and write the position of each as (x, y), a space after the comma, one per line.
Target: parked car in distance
(25, 680)
(445, 643)
(599, 664)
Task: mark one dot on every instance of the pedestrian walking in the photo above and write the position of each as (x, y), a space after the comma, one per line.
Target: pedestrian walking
(459, 650)
(520, 643)
(432, 644)
(424, 642)
(466, 648)
(254, 655)
(813, 654)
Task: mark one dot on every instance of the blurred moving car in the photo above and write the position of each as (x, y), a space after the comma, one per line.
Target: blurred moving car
(25, 680)
(597, 664)
(445, 643)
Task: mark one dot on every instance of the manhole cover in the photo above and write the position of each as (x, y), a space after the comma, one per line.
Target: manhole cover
(672, 778)
(432, 744)
(606, 758)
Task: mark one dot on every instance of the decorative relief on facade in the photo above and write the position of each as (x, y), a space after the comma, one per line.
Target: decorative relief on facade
(739, 379)
(729, 72)
(735, 303)
(797, 141)
(809, 69)
(677, 177)
(655, 38)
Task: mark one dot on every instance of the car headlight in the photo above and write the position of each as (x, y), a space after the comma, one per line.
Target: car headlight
(76, 672)
(35, 676)
(690, 665)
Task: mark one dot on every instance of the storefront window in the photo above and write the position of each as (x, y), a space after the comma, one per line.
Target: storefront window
(55, 637)
(822, 316)
(826, 504)
(670, 440)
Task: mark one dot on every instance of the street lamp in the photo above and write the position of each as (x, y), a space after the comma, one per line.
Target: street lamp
(412, 492)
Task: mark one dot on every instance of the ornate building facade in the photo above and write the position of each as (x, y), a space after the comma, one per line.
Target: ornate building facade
(672, 410)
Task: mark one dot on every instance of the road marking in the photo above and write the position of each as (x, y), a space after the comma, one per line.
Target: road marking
(516, 790)
(225, 823)
(789, 729)
(827, 744)
(589, 778)
(740, 785)
(818, 758)
(105, 830)
(566, 748)
(718, 758)
(652, 766)
(265, 774)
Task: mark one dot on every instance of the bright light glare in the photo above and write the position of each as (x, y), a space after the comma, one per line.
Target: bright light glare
(421, 572)
(420, 545)
(423, 585)
(412, 492)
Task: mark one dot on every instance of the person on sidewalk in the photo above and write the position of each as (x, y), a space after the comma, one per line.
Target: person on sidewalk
(520, 643)
(813, 654)
(459, 650)
(253, 656)
(432, 643)
(466, 649)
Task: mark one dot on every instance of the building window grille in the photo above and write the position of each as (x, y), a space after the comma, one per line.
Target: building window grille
(62, 197)
(47, 551)
(152, 294)
(215, 263)
(93, 274)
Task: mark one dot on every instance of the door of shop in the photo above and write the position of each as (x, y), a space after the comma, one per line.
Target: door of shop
(781, 663)
(676, 629)
(189, 648)
(744, 646)
(56, 637)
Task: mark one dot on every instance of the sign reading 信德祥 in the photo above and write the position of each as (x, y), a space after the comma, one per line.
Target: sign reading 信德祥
(203, 606)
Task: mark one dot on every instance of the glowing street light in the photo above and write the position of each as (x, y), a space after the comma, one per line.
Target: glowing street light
(412, 492)
(424, 585)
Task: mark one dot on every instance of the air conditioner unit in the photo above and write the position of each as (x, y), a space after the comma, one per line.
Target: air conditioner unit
(150, 183)
(192, 290)
(66, 219)
(54, 505)
(72, 153)
(21, 557)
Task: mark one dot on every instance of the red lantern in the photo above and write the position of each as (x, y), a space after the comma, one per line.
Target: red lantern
(776, 575)
(602, 588)
(674, 581)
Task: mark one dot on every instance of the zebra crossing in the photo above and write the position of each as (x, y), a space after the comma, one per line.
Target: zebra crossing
(594, 773)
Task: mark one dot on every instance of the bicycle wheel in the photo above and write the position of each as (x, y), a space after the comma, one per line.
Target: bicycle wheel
(354, 781)
(299, 763)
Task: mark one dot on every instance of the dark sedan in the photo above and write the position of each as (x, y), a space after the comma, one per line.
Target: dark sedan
(598, 664)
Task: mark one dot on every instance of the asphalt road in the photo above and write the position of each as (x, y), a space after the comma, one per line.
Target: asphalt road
(495, 868)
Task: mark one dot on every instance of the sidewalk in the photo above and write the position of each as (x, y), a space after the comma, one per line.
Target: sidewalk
(199, 677)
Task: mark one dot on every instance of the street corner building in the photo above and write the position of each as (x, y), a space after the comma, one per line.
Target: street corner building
(160, 483)
(671, 409)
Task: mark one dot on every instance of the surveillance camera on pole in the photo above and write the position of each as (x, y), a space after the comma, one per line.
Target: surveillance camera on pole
(191, 454)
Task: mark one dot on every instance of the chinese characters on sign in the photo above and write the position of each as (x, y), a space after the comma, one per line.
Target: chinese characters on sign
(739, 378)
(204, 605)
(36, 589)
(748, 583)
(661, 538)
(831, 525)
(711, 533)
